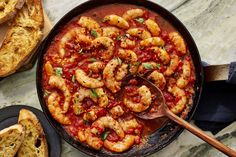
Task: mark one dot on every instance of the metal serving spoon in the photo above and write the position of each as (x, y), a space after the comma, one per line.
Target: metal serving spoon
(161, 110)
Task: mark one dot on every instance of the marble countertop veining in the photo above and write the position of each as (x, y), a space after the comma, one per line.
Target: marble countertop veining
(212, 23)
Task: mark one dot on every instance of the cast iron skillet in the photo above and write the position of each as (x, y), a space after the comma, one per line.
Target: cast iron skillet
(162, 137)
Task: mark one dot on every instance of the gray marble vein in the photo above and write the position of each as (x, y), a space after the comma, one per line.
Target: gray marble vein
(212, 23)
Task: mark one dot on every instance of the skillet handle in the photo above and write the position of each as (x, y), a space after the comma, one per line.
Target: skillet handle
(216, 72)
(201, 134)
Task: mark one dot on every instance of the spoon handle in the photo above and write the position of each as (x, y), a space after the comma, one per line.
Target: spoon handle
(212, 141)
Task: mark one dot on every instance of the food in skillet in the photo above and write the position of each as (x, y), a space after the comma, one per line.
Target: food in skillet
(85, 64)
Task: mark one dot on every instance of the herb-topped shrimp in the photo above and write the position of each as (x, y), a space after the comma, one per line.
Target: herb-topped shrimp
(91, 25)
(178, 42)
(139, 32)
(185, 76)
(132, 14)
(153, 27)
(58, 82)
(115, 20)
(145, 102)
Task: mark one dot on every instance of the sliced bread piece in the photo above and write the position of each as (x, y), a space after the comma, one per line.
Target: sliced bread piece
(34, 143)
(8, 9)
(10, 140)
(22, 37)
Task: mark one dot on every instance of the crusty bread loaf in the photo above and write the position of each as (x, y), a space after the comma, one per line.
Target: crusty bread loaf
(34, 143)
(8, 9)
(22, 37)
(10, 140)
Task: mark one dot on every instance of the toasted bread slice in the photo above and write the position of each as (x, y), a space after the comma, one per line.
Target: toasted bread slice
(22, 38)
(8, 9)
(34, 143)
(10, 140)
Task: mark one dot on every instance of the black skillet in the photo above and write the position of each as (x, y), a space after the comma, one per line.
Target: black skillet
(162, 137)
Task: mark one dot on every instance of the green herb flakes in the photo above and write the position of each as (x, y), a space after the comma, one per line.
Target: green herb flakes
(140, 20)
(119, 61)
(158, 65)
(94, 93)
(58, 71)
(104, 135)
(81, 51)
(147, 66)
(92, 59)
(119, 38)
(94, 33)
(46, 93)
(73, 78)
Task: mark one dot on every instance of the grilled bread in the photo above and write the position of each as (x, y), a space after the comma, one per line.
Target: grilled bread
(22, 37)
(10, 140)
(8, 9)
(34, 143)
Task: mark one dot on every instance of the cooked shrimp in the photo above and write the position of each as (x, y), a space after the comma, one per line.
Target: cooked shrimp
(96, 66)
(153, 27)
(131, 57)
(120, 146)
(116, 111)
(107, 122)
(174, 62)
(67, 37)
(127, 125)
(108, 43)
(90, 24)
(153, 41)
(79, 96)
(109, 75)
(55, 109)
(132, 14)
(121, 72)
(127, 43)
(91, 140)
(86, 81)
(158, 79)
(116, 21)
(139, 32)
(48, 68)
(162, 54)
(58, 82)
(91, 115)
(185, 76)
(178, 42)
(182, 99)
(146, 66)
(110, 32)
(102, 97)
(145, 102)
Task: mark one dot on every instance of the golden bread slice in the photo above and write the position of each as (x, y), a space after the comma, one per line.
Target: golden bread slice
(34, 143)
(22, 37)
(10, 140)
(8, 9)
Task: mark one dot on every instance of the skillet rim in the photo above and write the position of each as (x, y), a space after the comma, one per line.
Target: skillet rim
(172, 19)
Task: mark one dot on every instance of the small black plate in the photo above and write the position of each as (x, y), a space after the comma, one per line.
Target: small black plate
(9, 116)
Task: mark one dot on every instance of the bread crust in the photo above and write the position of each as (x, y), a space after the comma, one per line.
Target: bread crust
(9, 10)
(22, 38)
(26, 116)
(7, 150)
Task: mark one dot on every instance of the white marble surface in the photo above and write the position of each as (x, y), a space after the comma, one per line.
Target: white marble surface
(212, 24)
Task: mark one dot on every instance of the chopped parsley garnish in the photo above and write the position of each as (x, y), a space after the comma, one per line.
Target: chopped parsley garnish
(147, 66)
(119, 61)
(137, 63)
(94, 93)
(119, 37)
(158, 65)
(141, 47)
(81, 51)
(92, 59)
(58, 71)
(104, 135)
(73, 78)
(94, 33)
(140, 20)
(46, 93)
